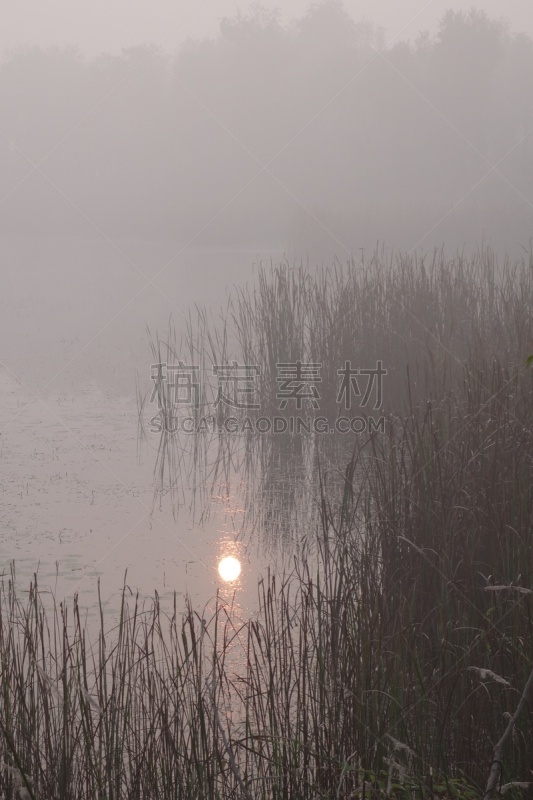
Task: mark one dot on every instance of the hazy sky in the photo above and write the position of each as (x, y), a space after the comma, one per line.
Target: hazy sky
(110, 25)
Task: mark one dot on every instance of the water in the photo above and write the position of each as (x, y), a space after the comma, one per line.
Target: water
(77, 491)
(76, 310)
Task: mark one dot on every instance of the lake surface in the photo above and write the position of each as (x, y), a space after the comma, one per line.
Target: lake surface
(77, 489)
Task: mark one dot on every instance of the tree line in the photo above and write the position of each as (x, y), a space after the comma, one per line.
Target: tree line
(313, 128)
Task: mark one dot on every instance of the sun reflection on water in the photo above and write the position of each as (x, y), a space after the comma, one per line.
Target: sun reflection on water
(229, 568)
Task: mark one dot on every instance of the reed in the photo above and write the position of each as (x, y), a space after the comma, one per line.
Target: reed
(388, 658)
(343, 684)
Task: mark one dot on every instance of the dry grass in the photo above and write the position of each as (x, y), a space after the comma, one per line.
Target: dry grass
(385, 663)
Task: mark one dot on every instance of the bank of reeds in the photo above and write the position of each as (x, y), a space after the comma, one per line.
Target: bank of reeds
(389, 660)
(426, 315)
(375, 671)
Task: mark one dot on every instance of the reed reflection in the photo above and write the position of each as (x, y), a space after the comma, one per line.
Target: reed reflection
(273, 475)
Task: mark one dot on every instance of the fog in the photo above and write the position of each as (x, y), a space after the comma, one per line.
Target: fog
(109, 26)
(312, 136)
(138, 182)
(220, 231)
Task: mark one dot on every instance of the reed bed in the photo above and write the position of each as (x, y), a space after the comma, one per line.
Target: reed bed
(353, 679)
(423, 317)
(388, 658)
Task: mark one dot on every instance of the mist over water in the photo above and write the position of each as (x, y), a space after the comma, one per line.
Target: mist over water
(134, 186)
(266, 486)
(312, 136)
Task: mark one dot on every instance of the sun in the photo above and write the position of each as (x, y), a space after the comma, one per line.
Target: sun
(229, 568)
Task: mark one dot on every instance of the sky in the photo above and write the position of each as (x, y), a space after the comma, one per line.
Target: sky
(109, 25)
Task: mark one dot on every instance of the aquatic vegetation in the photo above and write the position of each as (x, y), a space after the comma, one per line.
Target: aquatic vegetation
(390, 656)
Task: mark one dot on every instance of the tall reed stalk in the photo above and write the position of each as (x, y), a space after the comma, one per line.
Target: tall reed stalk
(387, 659)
